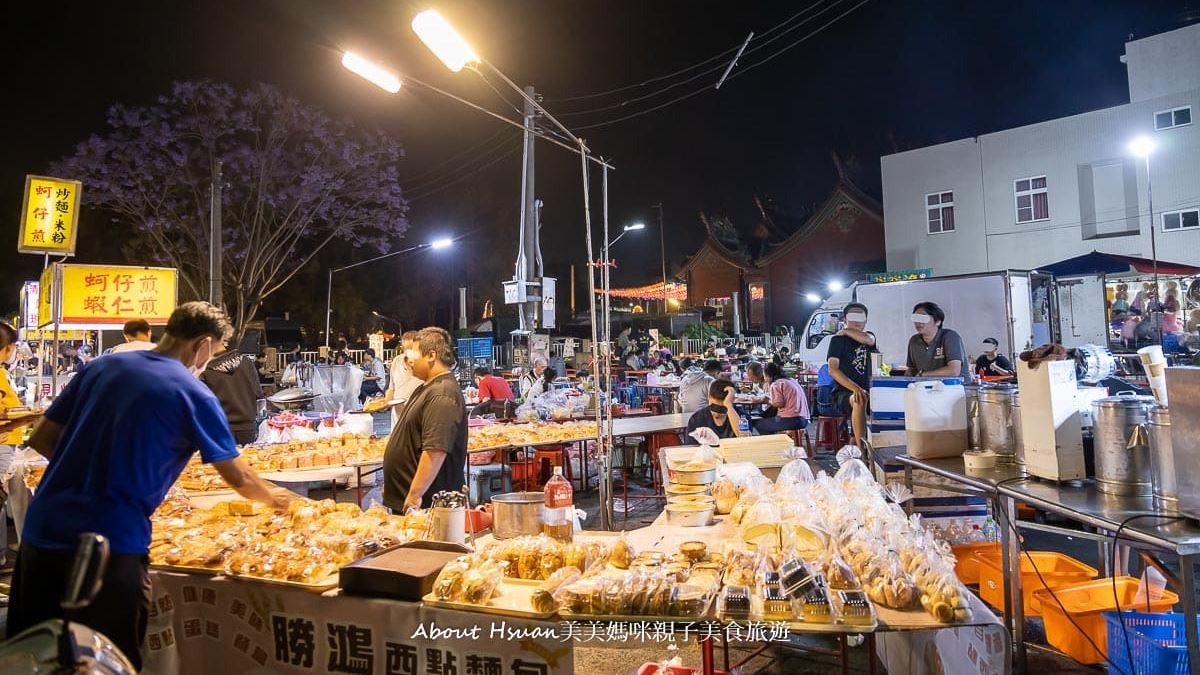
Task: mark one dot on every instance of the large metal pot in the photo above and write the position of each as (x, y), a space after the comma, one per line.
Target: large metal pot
(995, 421)
(1018, 437)
(294, 398)
(1162, 459)
(973, 440)
(1122, 447)
(518, 513)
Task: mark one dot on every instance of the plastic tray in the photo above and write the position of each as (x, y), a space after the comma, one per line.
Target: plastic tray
(1085, 604)
(1056, 569)
(1156, 643)
(966, 562)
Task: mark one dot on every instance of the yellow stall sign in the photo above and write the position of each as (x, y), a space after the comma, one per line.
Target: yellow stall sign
(96, 294)
(49, 215)
(45, 301)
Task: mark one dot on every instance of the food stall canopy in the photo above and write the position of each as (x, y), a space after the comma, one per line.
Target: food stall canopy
(654, 291)
(1112, 263)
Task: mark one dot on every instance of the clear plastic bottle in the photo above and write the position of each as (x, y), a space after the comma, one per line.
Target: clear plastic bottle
(560, 507)
(991, 532)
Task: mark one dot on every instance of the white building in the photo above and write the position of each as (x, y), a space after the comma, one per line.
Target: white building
(1029, 196)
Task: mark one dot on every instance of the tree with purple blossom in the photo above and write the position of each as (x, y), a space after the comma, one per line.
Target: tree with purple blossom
(294, 180)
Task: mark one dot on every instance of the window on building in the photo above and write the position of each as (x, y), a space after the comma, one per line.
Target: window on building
(1033, 199)
(1169, 119)
(1181, 220)
(939, 208)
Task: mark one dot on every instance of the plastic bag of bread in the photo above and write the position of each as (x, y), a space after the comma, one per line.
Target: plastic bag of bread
(621, 556)
(853, 469)
(837, 572)
(795, 471)
(726, 495)
(480, 583)
(886, 583)
(761, 524)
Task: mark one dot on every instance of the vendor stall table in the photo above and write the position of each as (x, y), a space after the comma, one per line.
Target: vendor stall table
(1082, 503)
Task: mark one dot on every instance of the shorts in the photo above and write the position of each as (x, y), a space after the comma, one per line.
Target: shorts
(842, 402)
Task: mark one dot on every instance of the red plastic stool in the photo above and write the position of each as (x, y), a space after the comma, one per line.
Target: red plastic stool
(655, 403)
(829, 433)
(800, 439)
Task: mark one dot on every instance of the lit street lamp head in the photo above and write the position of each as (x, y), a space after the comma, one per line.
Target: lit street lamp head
(374, 74)
(635, 226)
(441, 243)
(443, 40)
(1142, 146)
(835, 286)
(812, 297)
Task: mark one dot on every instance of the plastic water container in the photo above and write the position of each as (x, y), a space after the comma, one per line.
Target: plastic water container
(935, 419)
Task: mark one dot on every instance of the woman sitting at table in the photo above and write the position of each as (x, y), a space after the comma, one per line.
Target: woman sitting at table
(542, 386)
(788, 407)
(719, 415)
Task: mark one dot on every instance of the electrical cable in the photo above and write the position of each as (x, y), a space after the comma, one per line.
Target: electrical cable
(1116, 599)
(1013, 528)
(483, 76)
(460, 179)
(436, 166)
(709, 71)
(473, 163)
(706, 88)
(668, 76)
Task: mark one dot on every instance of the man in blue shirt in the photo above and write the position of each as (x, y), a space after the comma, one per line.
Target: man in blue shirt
(117, 438)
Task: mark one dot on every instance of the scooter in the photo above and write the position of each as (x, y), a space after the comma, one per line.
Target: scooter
(60, 646)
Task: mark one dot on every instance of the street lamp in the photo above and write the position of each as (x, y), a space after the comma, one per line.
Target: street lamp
(435, 244)
(628, 228)
(371, 72)
(812, 297)
(1143, 146)
(835, 286)
(443, 40)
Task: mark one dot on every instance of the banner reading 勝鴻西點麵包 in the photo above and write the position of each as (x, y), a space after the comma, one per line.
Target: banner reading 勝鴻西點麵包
(99, 295)
(49, 215)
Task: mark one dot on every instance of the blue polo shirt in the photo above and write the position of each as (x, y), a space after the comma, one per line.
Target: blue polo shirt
(130, 423)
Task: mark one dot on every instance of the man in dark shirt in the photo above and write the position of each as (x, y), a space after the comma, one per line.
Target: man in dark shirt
(233, 377)
(427, 451)
(849, 361)
(117, 439)
(719, 415)
(990, 362)
(935, 351)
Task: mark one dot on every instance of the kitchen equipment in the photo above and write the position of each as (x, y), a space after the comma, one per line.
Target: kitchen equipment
(972, 394)
(1085, 396)
(448, 524)
(675, 490)
(703, 476)
(1018, 441)
(935, 419)
(293, 398)
(1162, 462)
(1122, 445)
(690, 515)
(1050, 430)
(406, 572)
(995, 421)
(517, 513)
(1183, 390)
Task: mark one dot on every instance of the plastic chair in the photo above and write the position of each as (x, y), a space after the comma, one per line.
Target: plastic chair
(829, 433)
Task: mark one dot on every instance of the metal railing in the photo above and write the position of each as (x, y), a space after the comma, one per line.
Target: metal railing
(356, 357)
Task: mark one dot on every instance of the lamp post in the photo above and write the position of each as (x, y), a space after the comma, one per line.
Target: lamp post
(1143, 146)
(662, 250)
(605, 265)
(436, 244)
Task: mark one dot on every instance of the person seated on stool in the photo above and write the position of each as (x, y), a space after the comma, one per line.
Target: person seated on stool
(719, 415)
(787, 405)
(849, 362)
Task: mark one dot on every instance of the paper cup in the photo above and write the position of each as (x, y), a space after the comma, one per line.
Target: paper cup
(1157, 369)
(1151, 354)
(1158, 385)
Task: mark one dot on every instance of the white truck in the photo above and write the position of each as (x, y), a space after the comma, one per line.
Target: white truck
(1015, 307)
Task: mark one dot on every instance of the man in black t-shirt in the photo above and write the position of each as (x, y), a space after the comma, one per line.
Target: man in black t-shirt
(850, 366)
(990, 362)
(427, 451)
(719, 415)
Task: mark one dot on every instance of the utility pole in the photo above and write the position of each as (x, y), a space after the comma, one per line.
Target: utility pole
(528, 253)
(662, 242)
(215, 248)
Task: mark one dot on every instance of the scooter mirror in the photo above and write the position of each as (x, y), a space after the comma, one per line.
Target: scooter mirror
(87, 572)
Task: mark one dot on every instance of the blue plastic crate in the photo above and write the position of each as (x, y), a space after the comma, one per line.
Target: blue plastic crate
(1157, 643)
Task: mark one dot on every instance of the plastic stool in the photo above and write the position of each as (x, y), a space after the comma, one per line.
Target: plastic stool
(655, 403)
(800, 439)
(828, 433)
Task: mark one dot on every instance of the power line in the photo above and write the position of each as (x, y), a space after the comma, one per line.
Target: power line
(681, 71)
(464, 177)
(475, 162)
(433, 168)
(734, 75)
(711, 70)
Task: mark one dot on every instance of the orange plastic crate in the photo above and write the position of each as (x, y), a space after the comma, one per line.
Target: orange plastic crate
(1057, 570)
(1085, 604)
(966, 562)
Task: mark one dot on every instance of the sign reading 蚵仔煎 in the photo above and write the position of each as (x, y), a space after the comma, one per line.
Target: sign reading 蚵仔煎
(49, 215)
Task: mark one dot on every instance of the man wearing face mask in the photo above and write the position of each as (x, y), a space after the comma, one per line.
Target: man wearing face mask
(427, 451)
(935, 351)
(849, 361)
(401, 381)
(719, 415)
(117, 439)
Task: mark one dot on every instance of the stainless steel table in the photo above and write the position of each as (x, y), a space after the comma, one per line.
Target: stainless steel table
(1082, 503)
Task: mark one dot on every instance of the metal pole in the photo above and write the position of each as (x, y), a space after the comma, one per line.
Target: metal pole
(587, 223)
(527, 248)
(1153, 246)
(215, 248)
(662, 243)
(328, 306)
(606, 505)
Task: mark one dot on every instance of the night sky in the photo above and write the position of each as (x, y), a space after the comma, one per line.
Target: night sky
(888, 75)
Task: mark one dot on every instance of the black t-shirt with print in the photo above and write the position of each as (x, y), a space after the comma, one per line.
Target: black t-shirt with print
(854, 359)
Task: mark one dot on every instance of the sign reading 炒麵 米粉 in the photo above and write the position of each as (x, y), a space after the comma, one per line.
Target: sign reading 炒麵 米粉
(103, 295)
(49, 215)
(900, 275)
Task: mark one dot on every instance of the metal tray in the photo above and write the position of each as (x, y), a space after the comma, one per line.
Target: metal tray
(511, 599)
(702, 616)
(189, 569)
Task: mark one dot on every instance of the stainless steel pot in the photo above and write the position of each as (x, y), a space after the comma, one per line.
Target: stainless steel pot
(518, 513)
(973, 440)
(995, 421)
(1122, 447)
(1162, 459)
(702, 477)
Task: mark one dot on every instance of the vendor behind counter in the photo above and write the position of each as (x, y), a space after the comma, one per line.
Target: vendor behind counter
(935, 351)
